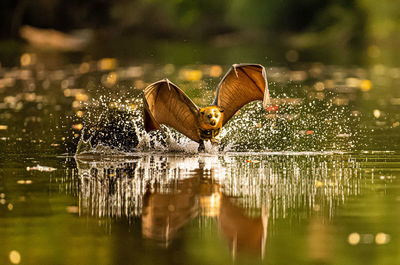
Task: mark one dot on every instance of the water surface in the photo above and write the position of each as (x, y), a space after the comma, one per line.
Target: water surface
(315, 181)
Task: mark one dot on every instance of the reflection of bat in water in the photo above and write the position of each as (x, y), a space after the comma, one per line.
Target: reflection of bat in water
(164, 214)
(165, 103)
(244, 234)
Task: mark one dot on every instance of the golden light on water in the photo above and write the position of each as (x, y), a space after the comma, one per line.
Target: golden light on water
(65, 84)
(291, 185)
(81, 97)
(25, 74)
(113, 105)
(319, 183)
(365, 85)
(129, 73)
(41, 168)
(210, 205)
(107, 64)
(298, 75)
(72, 92)
(341, 101)
(353, 82)
(354, 238)
(24, 182)
(139, 84)
(72, 209)
(110, 79)
(319, 86)
(377, 113)
(191, 75)
(77, 127)
(15, 257)
(329, 84)
(316, 69)
(27, 59)
(320, 96)
(382, 238)
(76, 104)
(132, 107)
(215, 71)
(84, 68)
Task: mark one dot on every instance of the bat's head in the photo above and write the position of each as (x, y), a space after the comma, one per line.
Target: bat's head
(211, 117)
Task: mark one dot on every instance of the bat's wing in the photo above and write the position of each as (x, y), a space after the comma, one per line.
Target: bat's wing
(165, 103)
(242, 84)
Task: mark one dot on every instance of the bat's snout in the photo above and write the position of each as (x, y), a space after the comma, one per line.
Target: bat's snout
(213, 123)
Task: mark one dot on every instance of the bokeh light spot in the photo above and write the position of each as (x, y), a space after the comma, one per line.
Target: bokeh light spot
(354, 238)
(15, 257)
(382, 238)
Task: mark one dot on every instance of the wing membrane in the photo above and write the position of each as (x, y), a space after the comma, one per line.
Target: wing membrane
(165, 103)
(242, 84)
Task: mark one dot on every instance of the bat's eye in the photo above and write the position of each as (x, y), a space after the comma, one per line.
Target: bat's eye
(209, 116)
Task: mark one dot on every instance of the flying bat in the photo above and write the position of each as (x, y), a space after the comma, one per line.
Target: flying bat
(165, 103)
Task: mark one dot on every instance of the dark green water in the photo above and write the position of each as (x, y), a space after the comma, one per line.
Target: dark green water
(316, 182)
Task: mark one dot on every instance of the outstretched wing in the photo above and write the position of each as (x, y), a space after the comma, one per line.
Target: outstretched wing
(165, 103)
(242, 84)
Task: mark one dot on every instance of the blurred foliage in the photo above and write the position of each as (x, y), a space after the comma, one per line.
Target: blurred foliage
(58, 14)
(383, 18)
(308, 21)
(290, 15)
(175, 17)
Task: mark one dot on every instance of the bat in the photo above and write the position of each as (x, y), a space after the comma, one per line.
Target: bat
(165, 103)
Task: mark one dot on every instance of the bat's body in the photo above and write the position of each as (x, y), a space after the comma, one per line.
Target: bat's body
(165, 103)
(210, 124)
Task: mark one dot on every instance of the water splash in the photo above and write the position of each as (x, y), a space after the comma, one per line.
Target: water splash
(298, 125)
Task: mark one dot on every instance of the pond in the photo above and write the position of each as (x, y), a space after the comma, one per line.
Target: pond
(314, 180)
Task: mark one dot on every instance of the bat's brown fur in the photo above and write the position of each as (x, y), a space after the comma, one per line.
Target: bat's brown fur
(210, 122)
(165, 103)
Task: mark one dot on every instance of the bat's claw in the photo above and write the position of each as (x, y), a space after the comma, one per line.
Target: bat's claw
(201, 148)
